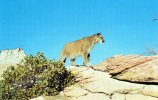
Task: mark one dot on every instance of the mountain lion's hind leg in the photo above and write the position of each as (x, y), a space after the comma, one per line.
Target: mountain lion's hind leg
(86, 58)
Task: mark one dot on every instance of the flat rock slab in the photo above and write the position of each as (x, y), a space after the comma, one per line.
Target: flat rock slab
(132, 68)
(146, 72)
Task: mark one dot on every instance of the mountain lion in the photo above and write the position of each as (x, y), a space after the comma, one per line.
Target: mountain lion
(80, 47)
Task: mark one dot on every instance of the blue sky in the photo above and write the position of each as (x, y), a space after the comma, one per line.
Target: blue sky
(46, 25)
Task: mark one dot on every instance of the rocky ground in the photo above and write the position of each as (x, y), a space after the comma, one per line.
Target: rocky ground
(122, 77)
(130, 77)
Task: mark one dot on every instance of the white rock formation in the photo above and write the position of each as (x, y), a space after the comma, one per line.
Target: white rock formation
(10, 58)
(96, 85)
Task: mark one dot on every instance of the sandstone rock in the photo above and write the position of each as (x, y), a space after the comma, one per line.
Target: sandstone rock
(146, 72)
(120, 63)
(131, 97)
(75, 91)
(93, 96)
(132, 68)
(97, 85)
(101, 83)
(10, 58)
(58, 97)
(138, 97)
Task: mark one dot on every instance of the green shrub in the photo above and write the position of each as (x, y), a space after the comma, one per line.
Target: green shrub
(36, 76)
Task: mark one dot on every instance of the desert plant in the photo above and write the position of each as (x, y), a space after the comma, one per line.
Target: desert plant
(36, 76)
(151, 51)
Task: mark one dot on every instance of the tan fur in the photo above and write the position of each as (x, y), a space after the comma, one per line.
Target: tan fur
(80, 48)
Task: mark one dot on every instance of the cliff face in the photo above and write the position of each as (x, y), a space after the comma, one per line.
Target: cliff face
(10, 57)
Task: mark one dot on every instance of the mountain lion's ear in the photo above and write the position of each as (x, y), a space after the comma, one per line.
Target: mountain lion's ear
(98, 34)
